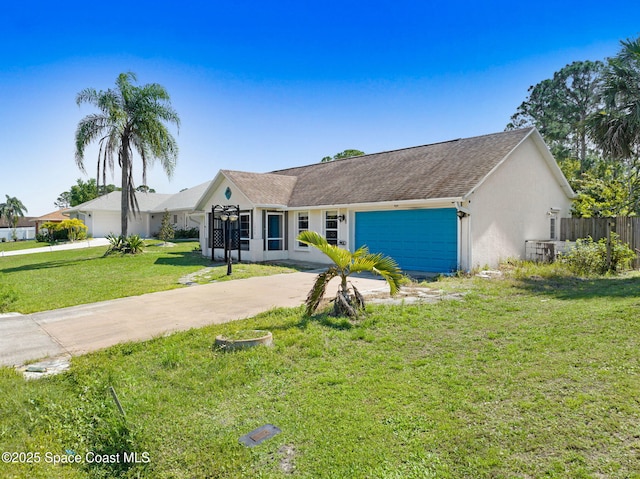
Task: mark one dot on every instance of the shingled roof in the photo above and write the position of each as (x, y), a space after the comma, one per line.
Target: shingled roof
(23, 222)
(450, 169)
(184, 200)
(264, 188)
(112, 202)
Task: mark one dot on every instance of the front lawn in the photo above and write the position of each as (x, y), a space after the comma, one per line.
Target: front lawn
(58, 279)
(18, 245)
(524, 377)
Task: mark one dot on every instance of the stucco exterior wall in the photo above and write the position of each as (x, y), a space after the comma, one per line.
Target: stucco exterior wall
(317, 224)
(237, 198)
(183, 221)
(512, 206)
(102, 223)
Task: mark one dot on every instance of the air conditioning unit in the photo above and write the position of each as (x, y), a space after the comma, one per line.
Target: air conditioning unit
(546, 251)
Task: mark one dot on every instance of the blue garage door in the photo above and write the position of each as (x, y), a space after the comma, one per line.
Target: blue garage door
(420, 240)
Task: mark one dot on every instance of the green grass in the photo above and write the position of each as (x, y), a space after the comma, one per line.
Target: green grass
(19, 245)
(524, 377)
(58, 279)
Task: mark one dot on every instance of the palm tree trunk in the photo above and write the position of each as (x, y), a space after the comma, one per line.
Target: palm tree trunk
(124, 201)
(343, 284)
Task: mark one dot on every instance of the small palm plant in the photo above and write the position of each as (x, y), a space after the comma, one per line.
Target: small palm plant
(124, 245)
(348, 300)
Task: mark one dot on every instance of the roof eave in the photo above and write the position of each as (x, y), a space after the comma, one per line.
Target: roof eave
(384, 204)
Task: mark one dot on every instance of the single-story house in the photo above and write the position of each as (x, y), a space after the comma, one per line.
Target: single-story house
(437, 208)
(102, 214)
(57, 216)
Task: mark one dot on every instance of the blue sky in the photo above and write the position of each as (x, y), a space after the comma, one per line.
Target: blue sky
(267, 85)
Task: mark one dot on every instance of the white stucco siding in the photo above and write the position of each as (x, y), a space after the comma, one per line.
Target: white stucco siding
(511, 206)
(103, 223)
(317, 224)
(182, 221)
(139, 225)
(237, 198)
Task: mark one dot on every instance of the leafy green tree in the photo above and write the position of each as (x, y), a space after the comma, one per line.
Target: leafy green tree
(131, 118)
(608, 189)
(12, 210)
(63, 201)
(145, 189)
(348, 300)
(342, 155)
(559, 107)
(82, 192)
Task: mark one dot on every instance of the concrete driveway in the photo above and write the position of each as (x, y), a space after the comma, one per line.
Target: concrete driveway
(88, 243)
(80, 329)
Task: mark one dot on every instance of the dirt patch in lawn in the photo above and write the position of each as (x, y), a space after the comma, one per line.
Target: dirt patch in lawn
(410, 294)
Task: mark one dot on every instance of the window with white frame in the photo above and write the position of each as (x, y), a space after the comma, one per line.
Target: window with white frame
(302, 224)
(245, 230)
(331, 227)
(552, 227)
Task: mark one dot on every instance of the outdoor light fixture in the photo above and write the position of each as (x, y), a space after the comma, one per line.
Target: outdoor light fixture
(227, 214)
(342, 218)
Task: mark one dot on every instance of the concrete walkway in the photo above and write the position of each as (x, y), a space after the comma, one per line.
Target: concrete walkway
(80, 329)
(90, 243)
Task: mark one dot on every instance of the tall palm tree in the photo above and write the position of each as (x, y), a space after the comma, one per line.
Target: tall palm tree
(616, 129)
(348, 300)
(12, 210)
(131, 118)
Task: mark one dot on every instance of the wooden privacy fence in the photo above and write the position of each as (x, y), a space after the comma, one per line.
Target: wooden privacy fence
(627, 227)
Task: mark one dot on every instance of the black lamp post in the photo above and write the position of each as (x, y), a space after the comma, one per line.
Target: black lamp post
(229, 214)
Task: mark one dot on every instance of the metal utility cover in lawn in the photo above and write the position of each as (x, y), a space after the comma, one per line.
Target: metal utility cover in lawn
(256, 436)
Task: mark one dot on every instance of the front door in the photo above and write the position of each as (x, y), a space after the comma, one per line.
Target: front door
(275, 232)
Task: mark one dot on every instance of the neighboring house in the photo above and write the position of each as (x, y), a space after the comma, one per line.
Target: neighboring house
(57, 216)
(437, 208)
(25, 230)
(102, 214)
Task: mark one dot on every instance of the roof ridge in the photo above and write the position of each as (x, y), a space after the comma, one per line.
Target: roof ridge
(401, 149)
(256, 173)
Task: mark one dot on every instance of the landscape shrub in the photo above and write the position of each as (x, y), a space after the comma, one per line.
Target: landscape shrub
(75, 228)
(67, 230)
(590, 257)
(132, 244)
(187, 233)
(50, 231)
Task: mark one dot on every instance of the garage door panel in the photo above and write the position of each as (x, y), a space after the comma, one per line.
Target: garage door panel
(422, 240)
